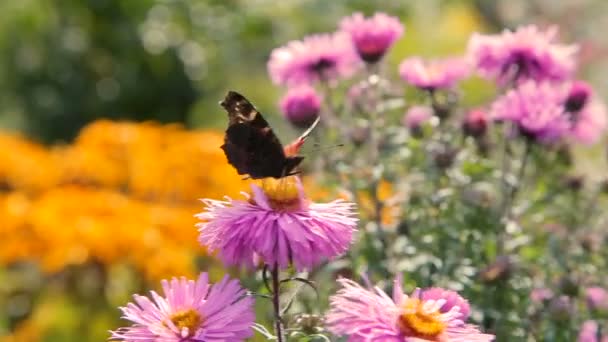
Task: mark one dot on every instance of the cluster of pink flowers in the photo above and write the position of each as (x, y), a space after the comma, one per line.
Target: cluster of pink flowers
(545, 103)
(327, 58)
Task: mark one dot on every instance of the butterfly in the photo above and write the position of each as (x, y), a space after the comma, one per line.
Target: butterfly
(252, 147)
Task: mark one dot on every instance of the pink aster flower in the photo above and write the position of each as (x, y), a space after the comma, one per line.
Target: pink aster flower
(190, 311)
(597, 298)
(527, 53)
(373, 36)
(451, 298)
(433, 74)
(371, 315)
(536, 109)
(326, 57)
(587, 113)
(589, 333)
(301, 106)
(277, 224)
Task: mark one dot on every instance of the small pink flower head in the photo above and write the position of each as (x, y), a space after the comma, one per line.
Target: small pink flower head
(541, 295)
(536, 109)
(373, 36)
(589, 333)
(587, 113)
(433, 74)
(371, 315)
(451, 298)
(475, 123)
(190, 311)
(278, 226)
(301, 106)
(321, 57)
(416, 116)
(524, 54)
(597, 299)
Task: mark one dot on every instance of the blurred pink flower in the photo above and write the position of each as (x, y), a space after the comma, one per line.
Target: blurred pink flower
(536, 109)
(416, 116)
(589, 332)
(524, 54)
(190, 311)
(277, 224)
(371, 315)
(541, 295)
(321, 57)
(597, 298)
(373, 36)
(301, 106)
(587, 113)
(433, 74)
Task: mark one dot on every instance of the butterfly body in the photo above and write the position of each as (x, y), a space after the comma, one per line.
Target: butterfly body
(252, 147)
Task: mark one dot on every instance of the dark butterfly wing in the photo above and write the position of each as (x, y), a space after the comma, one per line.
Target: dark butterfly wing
(250, 144)
(240, 110)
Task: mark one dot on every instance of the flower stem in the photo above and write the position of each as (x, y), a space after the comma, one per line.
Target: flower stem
(276, 293)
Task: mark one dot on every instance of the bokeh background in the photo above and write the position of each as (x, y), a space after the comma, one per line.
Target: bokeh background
(93, 207)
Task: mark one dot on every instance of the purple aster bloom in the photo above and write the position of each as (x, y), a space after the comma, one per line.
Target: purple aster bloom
(373, 36)
(527, 53)
(278, 225)
(536, 109)
(321, 57)
(597, 298)
(451, 298)
(587, 113)
(301, 106)
(433, 74)
(589, 333)
(371, 315)
(190, 311)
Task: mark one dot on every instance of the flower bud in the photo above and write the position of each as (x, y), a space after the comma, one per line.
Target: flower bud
(475, 123)
(301, 106)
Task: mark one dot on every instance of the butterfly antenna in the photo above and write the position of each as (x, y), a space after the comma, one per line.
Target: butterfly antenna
(310, 129)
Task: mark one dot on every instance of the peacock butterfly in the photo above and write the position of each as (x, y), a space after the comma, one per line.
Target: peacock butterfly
(252, 147)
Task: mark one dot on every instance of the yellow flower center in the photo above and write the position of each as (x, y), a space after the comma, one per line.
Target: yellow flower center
(190, 319)
(415, 322)
(282, 193)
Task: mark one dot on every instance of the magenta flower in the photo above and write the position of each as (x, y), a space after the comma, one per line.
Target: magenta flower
(373, 36)
(587, 113)
(371, 315)
(524, 54)
(597, 298)
(589, 333)
(321, 57)
(301, 106)
(190, 311)
(433, 74)
(277, 224)
(536, 109)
